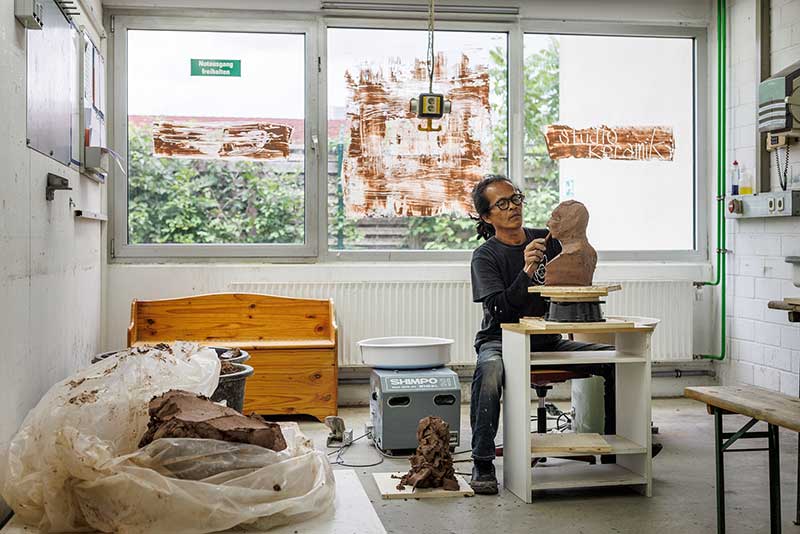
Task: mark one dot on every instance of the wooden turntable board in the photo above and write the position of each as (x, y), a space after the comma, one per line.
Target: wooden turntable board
(575, 293)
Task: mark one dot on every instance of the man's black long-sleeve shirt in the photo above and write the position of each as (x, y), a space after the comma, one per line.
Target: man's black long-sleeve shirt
(500, 284)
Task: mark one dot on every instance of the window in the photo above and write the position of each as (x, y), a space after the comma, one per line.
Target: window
(218, 122)
(392, 186)
(610, 122)
(216, 128)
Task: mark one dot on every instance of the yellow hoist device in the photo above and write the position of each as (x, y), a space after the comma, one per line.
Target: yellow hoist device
(429, 106)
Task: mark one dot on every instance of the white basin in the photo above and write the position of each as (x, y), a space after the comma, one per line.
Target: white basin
(405, 352)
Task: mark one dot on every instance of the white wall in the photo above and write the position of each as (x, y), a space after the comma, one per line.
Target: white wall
(764, 348)
(50, 269)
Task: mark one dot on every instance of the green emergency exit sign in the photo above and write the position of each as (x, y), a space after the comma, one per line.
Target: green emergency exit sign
(216, 67)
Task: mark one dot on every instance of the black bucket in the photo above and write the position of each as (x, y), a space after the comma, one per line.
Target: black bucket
(231, 387)
(226, 354)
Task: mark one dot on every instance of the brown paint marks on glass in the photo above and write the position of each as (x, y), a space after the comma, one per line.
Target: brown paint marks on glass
(391, 168)
(251, 141)
(603, 142)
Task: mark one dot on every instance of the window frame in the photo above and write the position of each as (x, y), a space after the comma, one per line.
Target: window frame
(119, 246)
(700, 83)
(315, 27)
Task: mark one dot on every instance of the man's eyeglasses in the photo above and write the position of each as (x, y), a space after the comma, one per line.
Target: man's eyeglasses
(505, 203)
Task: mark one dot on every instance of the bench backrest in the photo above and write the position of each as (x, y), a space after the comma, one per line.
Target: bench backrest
(231, 317)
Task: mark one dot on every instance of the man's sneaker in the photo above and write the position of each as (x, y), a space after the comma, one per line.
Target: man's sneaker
(484, 481)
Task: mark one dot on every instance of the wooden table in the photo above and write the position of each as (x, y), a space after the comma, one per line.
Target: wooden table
(776, 409)
(630, 444)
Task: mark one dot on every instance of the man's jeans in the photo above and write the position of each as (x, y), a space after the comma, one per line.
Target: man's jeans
(487, 386)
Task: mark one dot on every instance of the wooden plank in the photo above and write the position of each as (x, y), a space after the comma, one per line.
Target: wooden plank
(601, 290)
(292, 382)
(759, 403)
(782, 305)
(619, 446)
(574, 475)
(573, 328)
(569, 443)
(387, 485)
(538, 323)
(221, 317)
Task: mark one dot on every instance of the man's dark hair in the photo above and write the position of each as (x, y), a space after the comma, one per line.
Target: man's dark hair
(484, 229)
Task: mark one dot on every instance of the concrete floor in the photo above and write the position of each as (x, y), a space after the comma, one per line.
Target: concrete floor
(683, 495)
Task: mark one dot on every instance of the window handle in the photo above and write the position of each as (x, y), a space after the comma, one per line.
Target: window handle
(314, 142)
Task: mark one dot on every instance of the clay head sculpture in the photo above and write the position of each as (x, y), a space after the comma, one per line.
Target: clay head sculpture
(578, 259)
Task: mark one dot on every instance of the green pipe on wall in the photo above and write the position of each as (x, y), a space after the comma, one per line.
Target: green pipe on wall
(721, 157)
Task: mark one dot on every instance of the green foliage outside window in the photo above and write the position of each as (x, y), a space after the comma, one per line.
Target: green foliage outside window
(173, 200)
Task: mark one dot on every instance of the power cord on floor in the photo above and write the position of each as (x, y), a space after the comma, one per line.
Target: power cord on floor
(339, 452)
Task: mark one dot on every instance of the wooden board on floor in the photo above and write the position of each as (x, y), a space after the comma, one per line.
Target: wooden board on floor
(351, 512)
(759, 403)
(569, 443)
(387, 485)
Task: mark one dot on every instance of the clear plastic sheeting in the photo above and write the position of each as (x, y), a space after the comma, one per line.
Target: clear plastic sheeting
(198, 485)
(74, 463)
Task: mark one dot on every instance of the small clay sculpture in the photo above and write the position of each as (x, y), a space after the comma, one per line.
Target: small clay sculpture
(181, 414)
(578, 259)
(432, 463)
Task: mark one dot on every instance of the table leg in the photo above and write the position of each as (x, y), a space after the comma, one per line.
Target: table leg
(774, 481)
(797, 486)
(517, 414)
(720, 486)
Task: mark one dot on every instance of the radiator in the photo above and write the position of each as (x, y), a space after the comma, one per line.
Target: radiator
(445, 309)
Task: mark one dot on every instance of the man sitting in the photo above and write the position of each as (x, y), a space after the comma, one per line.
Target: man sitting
(510, 260)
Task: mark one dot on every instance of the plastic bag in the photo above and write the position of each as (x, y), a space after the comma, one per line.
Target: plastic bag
(194, 486)
(74, 465)
(104, 409)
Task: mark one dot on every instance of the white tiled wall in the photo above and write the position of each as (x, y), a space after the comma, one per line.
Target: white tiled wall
(764, 348)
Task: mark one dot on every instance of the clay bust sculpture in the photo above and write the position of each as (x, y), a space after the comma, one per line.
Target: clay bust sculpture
(575, 265)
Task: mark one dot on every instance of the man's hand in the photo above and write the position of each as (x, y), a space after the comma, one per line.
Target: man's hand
(534, 254)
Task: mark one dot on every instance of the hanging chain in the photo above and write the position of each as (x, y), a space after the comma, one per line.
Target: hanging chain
(782, 174)
(431, 58)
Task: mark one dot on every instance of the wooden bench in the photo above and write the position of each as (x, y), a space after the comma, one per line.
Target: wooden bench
(292, 343)
(776, 409)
